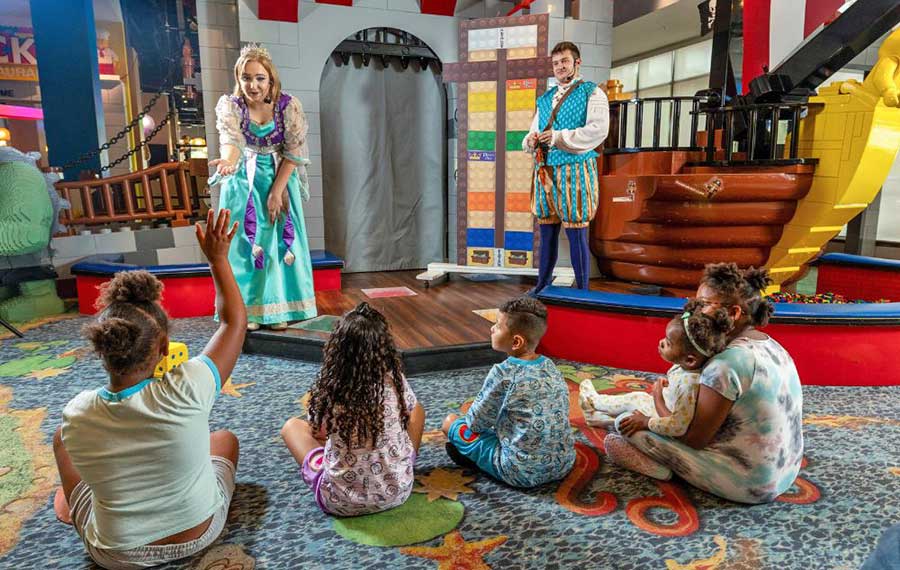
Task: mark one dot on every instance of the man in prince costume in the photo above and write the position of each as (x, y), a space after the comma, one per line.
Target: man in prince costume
(262, 136)
(572, 120)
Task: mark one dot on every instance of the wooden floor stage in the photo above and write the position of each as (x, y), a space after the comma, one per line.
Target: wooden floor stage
(435, 329)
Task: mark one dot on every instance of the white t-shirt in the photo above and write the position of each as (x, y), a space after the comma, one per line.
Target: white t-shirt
(144, 453)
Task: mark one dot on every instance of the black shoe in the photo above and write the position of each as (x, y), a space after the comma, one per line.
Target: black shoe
(533, 292)
(459, 458)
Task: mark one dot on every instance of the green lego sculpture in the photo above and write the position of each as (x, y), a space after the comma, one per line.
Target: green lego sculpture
(29, 216)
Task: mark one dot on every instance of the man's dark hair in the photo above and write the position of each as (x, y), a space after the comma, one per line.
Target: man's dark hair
(566, 46)
(526, 316)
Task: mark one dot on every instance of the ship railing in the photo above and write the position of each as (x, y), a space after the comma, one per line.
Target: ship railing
(740, 134)
(161, 193)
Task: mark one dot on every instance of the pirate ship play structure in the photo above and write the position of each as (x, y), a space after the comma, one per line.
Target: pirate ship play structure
(782, 171)
(785, 169)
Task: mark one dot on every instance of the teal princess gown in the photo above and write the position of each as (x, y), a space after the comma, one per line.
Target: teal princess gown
(275, 287)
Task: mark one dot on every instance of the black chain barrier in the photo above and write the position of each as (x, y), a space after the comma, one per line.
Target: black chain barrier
(91, 154)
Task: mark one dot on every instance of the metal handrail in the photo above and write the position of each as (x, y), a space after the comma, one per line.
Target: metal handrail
(754, 127)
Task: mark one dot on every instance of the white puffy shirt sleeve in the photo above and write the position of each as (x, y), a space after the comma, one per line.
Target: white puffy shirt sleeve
(535, 128)
(594, 131)
(295, 129)
(228, 123)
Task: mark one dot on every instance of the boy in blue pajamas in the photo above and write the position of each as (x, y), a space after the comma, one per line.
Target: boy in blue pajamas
(517, 429)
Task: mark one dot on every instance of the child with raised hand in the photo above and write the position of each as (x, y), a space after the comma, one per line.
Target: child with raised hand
(146, 480)
(517, 429)
(358, 449)
(691, 339)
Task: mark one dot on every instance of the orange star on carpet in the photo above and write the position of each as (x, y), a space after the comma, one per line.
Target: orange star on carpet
(456, 553)
(231, 388)
(447, 483)
(46, 373)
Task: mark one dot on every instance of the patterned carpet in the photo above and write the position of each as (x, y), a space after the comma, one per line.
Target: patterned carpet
(600, 517)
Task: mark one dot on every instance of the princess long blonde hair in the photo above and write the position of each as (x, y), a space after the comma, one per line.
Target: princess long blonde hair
(259, 54)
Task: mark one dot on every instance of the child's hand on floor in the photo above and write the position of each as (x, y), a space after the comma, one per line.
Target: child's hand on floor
(634, 423)
(217, 238)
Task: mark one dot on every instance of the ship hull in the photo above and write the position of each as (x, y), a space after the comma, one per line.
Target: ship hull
(660, 220)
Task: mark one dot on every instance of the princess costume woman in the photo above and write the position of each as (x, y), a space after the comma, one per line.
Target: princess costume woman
(270, 259)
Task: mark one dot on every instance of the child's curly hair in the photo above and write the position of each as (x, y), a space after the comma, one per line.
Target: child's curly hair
(126, 333)
(348, 395)
(742, 288)
(709, 332)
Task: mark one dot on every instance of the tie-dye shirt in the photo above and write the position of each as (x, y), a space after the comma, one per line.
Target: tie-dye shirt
(371, 478)
(755, 456)
(525, 403)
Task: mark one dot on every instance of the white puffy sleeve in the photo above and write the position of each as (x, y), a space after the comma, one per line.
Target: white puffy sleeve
(594, 131)
(228, 123)
(295, 128)
(535, 128)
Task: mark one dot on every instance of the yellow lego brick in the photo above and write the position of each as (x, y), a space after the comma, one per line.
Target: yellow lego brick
(481, 102)
(520, 100)
(521, 53)
(483, 55)
(520, 259)
(178, 353)
(480, 256)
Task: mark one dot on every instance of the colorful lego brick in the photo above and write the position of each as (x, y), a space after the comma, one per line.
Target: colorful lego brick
(479, 219)
(483, 256)
(520, 53)
(482, 87)
(514, 140)
(522, 241)
(519, 120)
(519, 222)
(523, 100)
(480, 237)
(517, 258)
(486, 121)
(518, 202)
(482, 140)
(178, 353)
(482, 102)
(483, 55)
(480, 201)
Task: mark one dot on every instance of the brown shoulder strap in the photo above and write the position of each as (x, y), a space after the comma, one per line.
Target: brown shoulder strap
(559, 105)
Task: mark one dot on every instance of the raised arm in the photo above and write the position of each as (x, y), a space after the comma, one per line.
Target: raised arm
(225, 345)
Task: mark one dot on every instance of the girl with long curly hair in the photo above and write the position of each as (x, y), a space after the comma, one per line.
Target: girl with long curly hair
(358, 449)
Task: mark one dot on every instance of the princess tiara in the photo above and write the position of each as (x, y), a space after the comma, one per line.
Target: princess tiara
(255, 49)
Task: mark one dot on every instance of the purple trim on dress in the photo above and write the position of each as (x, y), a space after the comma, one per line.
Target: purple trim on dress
(288, 234)
(277, 135)
(250, 230)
